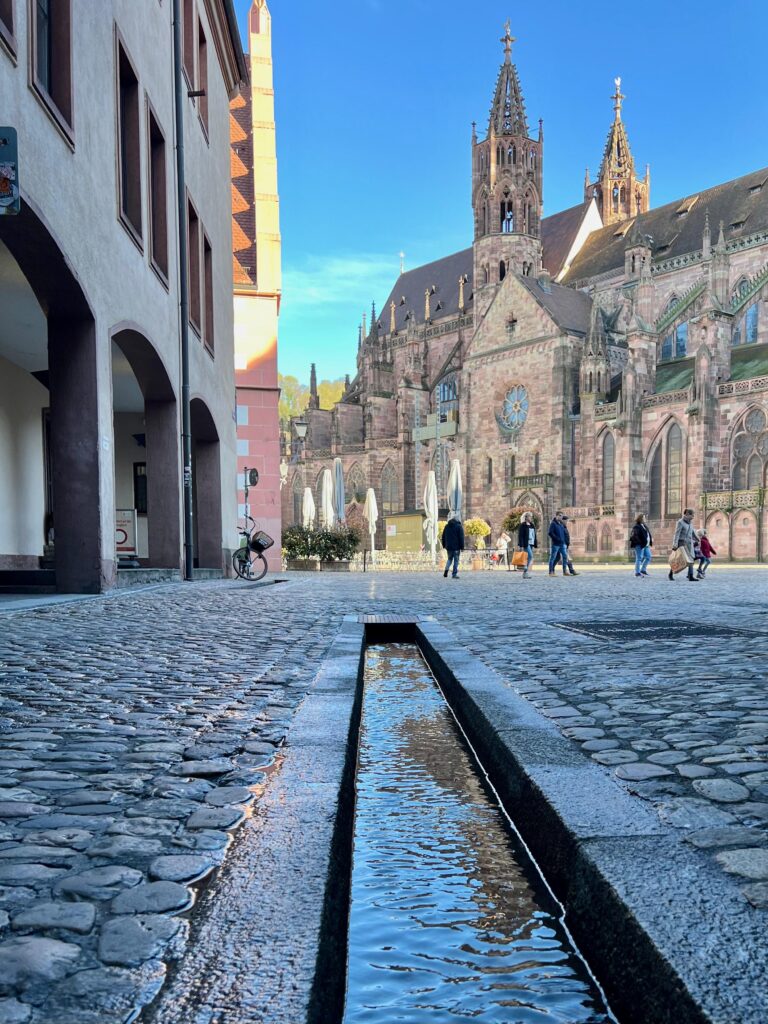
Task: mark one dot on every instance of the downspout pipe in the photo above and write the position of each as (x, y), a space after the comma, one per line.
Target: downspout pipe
(181, 198)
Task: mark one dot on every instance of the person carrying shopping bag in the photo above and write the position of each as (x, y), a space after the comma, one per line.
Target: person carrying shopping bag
(526, 542)
(682, 546)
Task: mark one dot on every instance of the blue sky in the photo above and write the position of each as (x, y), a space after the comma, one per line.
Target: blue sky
(374, 102)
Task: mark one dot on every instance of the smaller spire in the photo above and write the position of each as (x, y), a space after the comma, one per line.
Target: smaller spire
(507, 39)
(402, 262)
(374, 324)
(707, 237)
(359, 337)
(541, 129)
(462, 279)
(721, 237)
(364, 328)
(617, 98)
(474, 131)
(314, 400)
(426, 305)
(392, 327)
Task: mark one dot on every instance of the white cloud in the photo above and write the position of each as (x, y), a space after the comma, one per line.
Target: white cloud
(330, 280)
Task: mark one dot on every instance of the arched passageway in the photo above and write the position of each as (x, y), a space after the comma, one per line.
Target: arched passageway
(60, 474)
(147, 451)
(206, 487)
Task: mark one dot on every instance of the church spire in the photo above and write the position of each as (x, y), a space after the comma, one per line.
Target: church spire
(508, 108)
(314, 400)
(619, 192)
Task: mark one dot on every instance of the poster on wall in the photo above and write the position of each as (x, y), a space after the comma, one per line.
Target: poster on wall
(125, 532)
(10, 202)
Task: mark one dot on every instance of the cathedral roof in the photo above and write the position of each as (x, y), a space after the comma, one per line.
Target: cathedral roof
(558, 233)
(569, 308)
(678, 227)
(442, 276)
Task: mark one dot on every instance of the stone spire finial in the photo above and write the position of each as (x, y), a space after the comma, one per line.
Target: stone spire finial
(426, 305)
(392, 327)
(706, 244)
(721, 237)
(461, 292)
(364, 328)
(617, 98)
(374, 323)
(314, 400)
(508, 108)
(507, 39)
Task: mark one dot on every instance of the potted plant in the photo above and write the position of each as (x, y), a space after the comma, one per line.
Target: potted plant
(512, 519)
(336, 547)
(478, 530)
(298, 549)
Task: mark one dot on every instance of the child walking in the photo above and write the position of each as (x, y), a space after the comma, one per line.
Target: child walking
(707, 551)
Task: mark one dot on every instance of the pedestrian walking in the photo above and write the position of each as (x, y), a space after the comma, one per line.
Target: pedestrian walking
(559, 548)
(684, 538)
(707, 552)
(453, 542)
(527, 541)
(569, 561)
(641, 542)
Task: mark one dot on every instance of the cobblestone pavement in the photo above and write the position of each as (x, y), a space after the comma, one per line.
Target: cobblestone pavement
(137, 730)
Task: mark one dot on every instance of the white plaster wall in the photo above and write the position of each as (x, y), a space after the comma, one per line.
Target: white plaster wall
(115, 274)
(22, 477)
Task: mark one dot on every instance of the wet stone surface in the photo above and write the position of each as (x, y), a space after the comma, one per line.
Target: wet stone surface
(102, 741)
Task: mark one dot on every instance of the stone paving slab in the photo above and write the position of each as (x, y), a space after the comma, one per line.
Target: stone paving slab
(105, 703)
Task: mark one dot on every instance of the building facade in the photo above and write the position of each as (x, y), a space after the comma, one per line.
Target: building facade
(257, 277)
(90, 375)
(609, 359)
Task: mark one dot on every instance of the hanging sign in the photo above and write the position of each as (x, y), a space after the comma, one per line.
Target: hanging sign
(10, 202)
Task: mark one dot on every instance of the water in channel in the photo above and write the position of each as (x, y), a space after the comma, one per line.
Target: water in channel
(448, 919)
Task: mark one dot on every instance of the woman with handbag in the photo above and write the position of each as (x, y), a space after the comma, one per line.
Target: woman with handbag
(526, 542)
(682, 546)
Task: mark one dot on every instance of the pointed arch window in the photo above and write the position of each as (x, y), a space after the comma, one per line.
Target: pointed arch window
(681, 340)
(615, 198)
(502, 270)
(754, 472)
(750, 325)
(507, 216)
(389, 490)
(674, 504)
(356, 485)
(609, 462)
(297, 494)
(654, 497)
(591, 540)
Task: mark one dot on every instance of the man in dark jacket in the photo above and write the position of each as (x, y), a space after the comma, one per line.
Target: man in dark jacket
(556, 534)
(569, 560)
(453, 542)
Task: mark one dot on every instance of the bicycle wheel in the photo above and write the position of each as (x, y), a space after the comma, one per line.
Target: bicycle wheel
(249, 565)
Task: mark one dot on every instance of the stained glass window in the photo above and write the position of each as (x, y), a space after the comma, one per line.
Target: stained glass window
(674, 471)
(750, 325)
(609, 453)
(389, 498)
(654, 503)
(667, 347)
(754, 471)
(681, 340)
(514, 411)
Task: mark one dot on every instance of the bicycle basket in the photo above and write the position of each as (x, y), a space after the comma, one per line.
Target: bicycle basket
(260, 541)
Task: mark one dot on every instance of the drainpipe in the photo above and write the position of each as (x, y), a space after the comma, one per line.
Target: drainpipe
(181, 198)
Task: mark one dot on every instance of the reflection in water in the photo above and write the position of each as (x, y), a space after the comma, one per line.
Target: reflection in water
(447, 922)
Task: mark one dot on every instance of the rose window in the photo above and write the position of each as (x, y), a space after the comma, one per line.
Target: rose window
(514, 411)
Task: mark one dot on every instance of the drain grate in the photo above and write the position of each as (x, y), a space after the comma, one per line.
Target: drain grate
(652, 629)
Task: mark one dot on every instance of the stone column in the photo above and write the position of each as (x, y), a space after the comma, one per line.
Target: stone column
(82, 521)
(163, 492)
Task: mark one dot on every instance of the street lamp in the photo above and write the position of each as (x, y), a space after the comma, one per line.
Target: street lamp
(301, 427)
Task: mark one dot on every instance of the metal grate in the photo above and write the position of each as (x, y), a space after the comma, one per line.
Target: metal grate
(653, 629)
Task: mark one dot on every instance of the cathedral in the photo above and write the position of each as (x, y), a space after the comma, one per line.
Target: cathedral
(606, 360)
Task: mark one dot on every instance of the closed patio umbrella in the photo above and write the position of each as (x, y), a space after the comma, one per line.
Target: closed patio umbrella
(371, 515)
(455, 490)
(339, 499)
(308, 509)
(327, 514)
(430, 507)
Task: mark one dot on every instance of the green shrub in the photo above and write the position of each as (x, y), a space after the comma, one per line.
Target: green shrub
(297, 542)
(328, 545)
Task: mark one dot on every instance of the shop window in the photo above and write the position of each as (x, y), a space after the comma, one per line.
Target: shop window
(129, 144)
(52, 56)
(193, 264)
(140, 487)
(158, 197)
(208, 294)
(202, 76)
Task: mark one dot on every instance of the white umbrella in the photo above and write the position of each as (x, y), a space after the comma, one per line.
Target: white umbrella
(371, 514)
(338, 490)
(455, 490)
(327, 515)
(308, 509)
(430, 507)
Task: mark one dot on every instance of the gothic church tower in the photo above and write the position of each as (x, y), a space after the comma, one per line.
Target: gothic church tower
(620, 194)
(506, 187)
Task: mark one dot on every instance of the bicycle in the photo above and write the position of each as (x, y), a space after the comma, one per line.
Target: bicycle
(248, 560)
